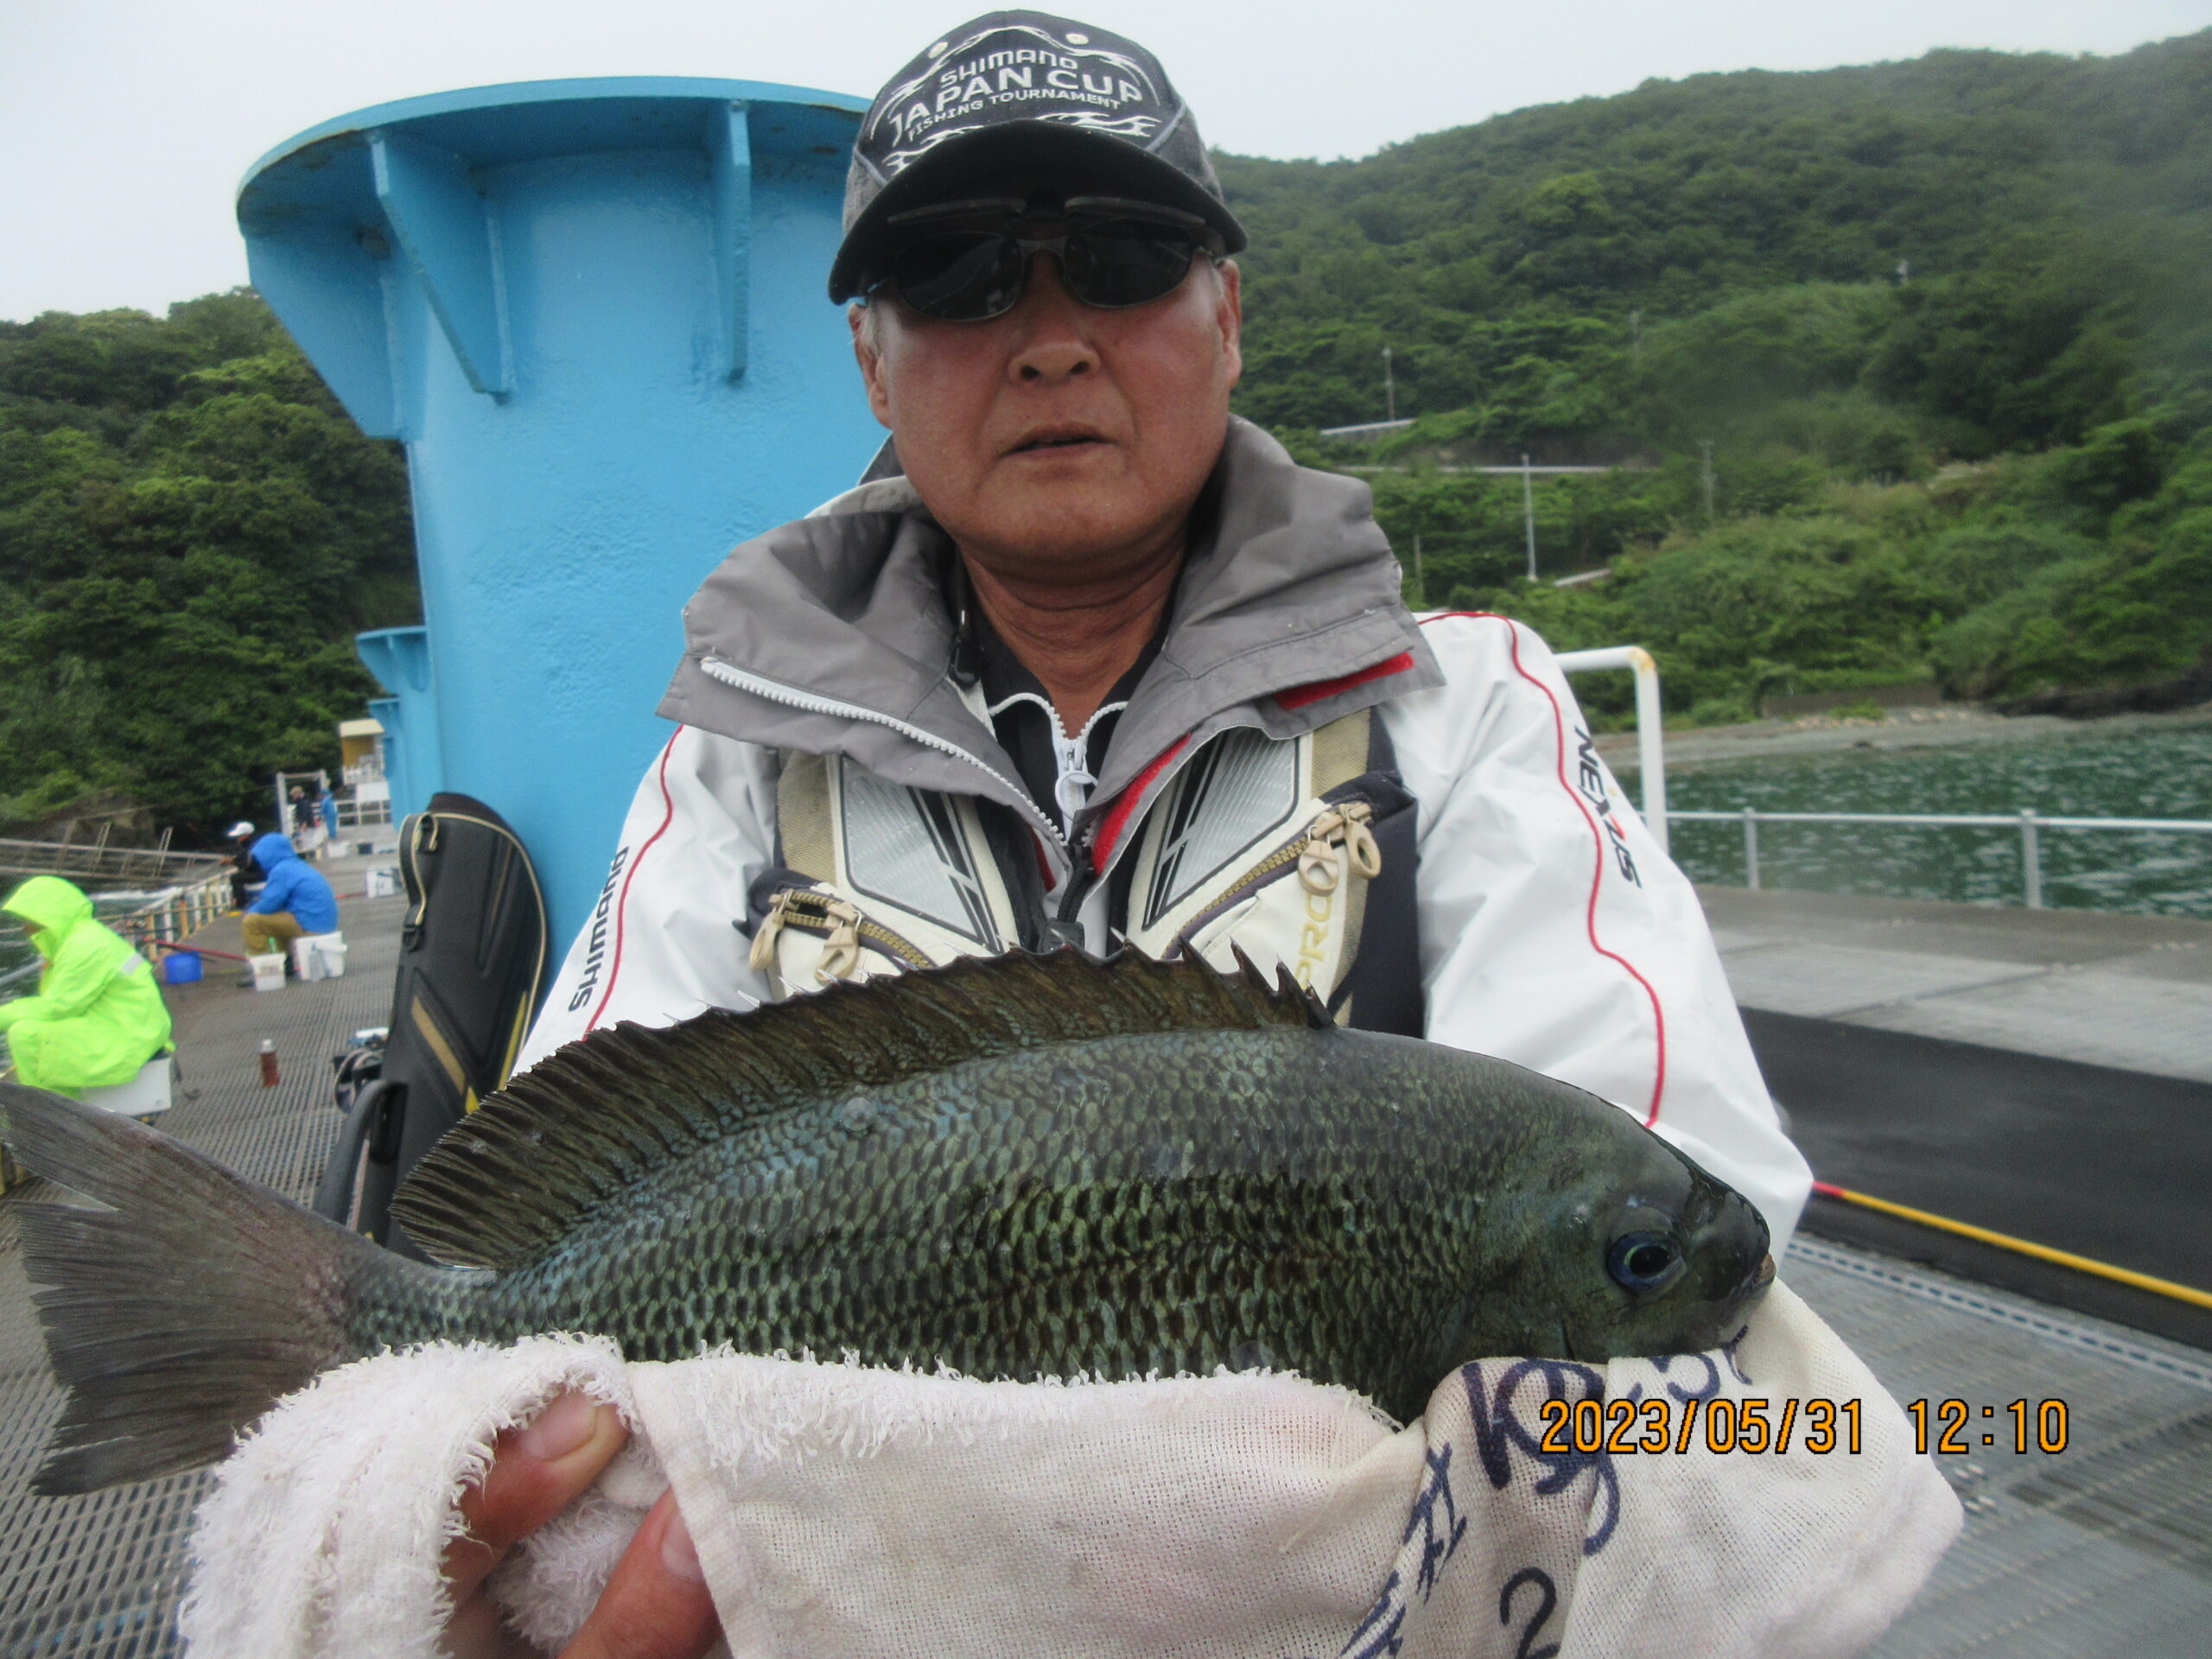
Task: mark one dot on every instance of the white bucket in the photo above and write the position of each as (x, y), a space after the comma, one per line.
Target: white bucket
(268, 971)
(307, 957)
(383, 884)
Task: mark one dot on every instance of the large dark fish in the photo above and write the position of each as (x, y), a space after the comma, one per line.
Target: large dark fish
(1032, 1166)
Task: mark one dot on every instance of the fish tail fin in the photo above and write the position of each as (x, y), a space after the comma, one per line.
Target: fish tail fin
(181, 1311)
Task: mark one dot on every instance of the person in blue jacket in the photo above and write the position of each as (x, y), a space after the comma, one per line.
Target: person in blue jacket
(297, 899)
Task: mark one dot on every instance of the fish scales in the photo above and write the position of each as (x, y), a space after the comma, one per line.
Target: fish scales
(1037, 1167)
(1121, 1207)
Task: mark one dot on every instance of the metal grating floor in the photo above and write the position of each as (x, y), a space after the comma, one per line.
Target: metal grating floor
(2103, 1550)
(99, 1576)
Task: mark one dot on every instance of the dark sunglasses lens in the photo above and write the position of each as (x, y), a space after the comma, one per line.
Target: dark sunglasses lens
(1127, 262)
(961, 276)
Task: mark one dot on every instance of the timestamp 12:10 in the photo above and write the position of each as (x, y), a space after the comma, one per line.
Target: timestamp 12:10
(1959, 1428)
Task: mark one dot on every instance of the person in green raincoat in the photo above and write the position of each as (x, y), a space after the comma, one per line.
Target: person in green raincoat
(98, 1016)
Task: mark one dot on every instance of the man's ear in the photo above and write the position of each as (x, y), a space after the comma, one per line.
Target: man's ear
(868, 353)
(1229, 312)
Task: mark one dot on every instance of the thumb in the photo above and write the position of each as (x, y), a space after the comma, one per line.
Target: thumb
(536, 1471)
(655, 1604)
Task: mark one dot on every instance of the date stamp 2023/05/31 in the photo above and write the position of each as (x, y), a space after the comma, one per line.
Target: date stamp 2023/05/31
(1819, 1427)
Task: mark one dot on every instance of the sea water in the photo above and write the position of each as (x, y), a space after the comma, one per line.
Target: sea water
(2136, 774)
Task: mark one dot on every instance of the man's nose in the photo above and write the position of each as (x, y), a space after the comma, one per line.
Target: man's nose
(1055, 342)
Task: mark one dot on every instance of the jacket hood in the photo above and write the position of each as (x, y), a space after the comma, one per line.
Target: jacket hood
(50, 905)
(271, 850)
(1291, 584)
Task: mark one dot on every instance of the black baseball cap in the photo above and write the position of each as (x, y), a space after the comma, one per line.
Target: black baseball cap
(1022, 92)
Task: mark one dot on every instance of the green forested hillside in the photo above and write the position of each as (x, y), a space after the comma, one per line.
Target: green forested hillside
(2051, 211)
(1947, 326)
(191, 531)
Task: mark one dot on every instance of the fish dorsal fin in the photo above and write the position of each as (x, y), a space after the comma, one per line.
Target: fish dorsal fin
(590, 1120)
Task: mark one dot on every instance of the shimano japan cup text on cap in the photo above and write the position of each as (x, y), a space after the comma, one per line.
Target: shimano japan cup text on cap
(1018, 92)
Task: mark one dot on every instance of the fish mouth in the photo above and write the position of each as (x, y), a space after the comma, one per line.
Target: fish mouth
(1754, 1288)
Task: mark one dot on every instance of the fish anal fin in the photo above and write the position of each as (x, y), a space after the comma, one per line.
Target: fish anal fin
(588, 1121)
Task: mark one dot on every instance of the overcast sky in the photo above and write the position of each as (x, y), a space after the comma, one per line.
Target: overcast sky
(125, 125)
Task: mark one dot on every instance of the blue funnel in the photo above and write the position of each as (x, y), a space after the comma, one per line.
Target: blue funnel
(593, 311)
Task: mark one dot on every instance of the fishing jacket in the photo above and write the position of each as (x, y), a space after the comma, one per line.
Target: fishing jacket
(1408, 813)
(98, 1016)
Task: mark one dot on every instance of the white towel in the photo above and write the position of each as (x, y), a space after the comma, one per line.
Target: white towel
(857, 1512)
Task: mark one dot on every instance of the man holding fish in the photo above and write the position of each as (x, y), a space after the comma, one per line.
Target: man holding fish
(1088, 659)
(1085, 661)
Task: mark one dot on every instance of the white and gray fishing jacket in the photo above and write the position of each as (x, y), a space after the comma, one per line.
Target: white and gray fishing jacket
(1408, 813)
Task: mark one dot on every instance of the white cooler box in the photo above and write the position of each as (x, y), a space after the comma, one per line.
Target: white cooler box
(143, 1097)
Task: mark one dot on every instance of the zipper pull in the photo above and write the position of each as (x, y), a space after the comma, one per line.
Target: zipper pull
(1366, 855)
(841, 955)
(762, 958)
(1340, 828)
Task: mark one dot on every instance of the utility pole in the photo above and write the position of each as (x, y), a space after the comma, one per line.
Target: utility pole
(1704, 478)
(1635, 335)
(1420, 578)
(1904, 272)
(1389, 389)
(1528, 511)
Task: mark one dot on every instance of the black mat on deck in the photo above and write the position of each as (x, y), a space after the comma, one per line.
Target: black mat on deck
(2112, 1165)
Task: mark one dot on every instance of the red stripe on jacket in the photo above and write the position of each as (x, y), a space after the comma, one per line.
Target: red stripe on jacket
(1117, 819)
(1299, 696)
(1598, 871)
(622, 904)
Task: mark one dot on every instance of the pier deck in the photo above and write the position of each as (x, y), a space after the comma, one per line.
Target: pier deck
(2130, 992)
(100, 1574)
(2105, 1549)
(2044, 1074)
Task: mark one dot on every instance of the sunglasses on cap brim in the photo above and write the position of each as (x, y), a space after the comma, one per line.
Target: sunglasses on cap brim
(969, 261)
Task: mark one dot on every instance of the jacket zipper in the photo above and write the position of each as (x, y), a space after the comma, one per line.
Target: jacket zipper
(1341, 823)
(1070, 755)
(810, 704)
(840, 922)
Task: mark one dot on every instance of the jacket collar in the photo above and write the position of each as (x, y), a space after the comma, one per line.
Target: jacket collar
(1290, 594)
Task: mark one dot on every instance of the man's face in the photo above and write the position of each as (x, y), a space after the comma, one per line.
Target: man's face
(1058, 437)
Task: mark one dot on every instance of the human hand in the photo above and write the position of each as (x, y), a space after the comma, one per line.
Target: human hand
(655, 1604)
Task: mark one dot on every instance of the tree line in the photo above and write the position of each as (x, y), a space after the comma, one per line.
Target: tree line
(1910, 366)
(1914, 364)
(191, 532)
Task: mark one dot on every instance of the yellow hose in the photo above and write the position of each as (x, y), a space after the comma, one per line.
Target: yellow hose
(2020, 1246)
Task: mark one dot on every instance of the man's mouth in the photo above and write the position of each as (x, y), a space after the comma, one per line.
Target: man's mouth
(1055, 438)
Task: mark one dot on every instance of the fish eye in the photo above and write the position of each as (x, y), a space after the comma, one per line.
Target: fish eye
(1644, 1262)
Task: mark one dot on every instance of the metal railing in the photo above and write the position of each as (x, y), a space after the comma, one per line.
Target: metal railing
(358, 815)
(96, 859)
(2030, 825)
(173, 916)
(176, 914)
(1650, 731)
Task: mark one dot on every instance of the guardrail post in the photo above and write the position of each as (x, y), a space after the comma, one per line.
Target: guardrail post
(2031, 858)
(1750, 850)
